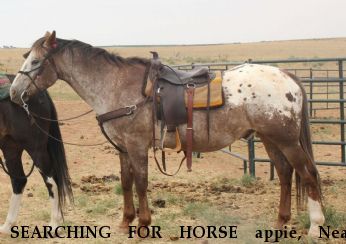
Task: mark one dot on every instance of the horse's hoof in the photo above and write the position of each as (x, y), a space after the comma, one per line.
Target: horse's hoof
(278, 226)
(314, 232)
(124, 228)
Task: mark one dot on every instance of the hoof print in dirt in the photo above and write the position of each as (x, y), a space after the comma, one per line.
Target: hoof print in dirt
(92, 179)
(160, 203)
(74, 185)
(97, 185)
(174, 238)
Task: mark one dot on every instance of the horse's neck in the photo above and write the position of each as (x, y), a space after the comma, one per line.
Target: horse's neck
(103, 85)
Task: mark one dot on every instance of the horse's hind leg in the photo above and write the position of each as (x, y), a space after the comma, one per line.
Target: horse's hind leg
(284, 171)
(127, 183)
(13, 153)
(307, 171)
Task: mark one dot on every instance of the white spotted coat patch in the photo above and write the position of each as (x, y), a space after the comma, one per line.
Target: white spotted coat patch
(263, 89)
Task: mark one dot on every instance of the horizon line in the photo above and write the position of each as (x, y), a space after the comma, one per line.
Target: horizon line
(193, 44)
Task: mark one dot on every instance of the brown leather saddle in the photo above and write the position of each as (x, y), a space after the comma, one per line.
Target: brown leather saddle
(169, 87)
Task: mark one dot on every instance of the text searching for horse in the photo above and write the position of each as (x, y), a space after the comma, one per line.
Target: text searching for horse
(259, 98)
(17, 134)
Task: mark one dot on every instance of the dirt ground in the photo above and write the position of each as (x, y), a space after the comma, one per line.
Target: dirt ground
(214, 193)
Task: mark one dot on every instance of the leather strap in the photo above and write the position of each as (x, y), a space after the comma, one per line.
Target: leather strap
(208, 110)
(189, 129)
(121, 112)
(164, 171)
(110, 140)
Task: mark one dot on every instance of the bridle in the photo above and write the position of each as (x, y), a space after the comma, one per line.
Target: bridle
(47, 57)
(33, 79)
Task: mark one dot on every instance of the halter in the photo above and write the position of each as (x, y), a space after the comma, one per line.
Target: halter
(47, 57)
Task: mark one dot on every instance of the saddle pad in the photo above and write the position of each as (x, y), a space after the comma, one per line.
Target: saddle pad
(5, 85)
(201, 95)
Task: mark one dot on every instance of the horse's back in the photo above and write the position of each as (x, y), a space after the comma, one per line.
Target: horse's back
(263, 90)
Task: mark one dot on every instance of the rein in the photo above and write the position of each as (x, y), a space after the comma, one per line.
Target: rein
(32, 118)
(60, 120)
(2, 164)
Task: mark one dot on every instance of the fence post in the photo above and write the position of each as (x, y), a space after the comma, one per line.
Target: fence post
(251, 148)
(245, 166)
(342, 110)
(311, 92)
(272, 171)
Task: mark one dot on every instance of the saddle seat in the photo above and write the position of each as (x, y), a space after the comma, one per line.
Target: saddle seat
(198, 75)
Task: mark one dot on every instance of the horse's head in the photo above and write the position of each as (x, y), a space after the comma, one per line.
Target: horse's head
(38, 71)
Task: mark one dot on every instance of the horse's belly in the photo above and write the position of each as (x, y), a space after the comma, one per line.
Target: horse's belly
(225, 127)
(263, 91)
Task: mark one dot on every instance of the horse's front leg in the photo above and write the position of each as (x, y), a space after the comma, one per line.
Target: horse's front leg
(127, 183)
(12, 154)
(139, 162)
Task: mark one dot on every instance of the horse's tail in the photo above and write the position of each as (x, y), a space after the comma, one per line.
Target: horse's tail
(57, 155)
(306, 144)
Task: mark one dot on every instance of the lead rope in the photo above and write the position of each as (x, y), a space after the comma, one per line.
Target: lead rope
(26, 108)
(61, 120)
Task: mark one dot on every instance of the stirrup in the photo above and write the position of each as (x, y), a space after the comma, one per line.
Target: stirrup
(177, 141)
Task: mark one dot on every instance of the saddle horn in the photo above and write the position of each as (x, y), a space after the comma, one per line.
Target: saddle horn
(155, 55)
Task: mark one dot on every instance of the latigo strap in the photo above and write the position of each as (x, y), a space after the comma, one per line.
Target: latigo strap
(189, 128)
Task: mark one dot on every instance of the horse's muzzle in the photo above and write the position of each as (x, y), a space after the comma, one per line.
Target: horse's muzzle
(18, 97)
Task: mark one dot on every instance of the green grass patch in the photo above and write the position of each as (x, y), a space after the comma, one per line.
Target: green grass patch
(82, 201)
(43, 216)
(101, 206)
(209, 214)
(118, 189)
(333, 218)
(247, 180)
(165, 222)
(303, 220)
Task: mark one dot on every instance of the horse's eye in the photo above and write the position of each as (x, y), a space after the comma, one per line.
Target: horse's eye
(35, 62)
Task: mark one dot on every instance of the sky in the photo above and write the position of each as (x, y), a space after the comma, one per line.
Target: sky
(164, 22)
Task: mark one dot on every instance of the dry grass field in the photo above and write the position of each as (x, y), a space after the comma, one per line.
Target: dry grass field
(214, 193)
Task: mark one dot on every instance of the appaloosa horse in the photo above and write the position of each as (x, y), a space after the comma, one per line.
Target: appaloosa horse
(261, 99)
(17, 134)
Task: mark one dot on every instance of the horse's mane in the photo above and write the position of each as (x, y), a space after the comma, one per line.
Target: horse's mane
(90, 51)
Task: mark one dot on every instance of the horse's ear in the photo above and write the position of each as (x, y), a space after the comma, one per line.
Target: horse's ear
(50, 41)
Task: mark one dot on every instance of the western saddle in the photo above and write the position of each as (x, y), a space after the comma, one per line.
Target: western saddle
(172, 93)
